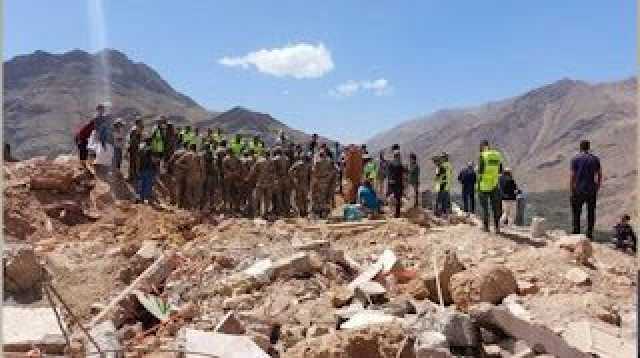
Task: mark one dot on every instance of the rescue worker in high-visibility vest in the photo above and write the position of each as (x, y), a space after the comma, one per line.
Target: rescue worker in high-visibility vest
(257, 146)
(195, 139)
(218, 135)
(209, 142)
(158, 143)
(442, 185)
(187, 136)
(489, 170)
(236, 145)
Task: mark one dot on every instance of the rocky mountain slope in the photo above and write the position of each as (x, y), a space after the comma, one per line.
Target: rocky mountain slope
(49, 96)
(539, 132)
(248, 122)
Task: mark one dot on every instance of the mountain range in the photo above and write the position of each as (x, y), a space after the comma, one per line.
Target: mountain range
(47, 97)
(538, 133)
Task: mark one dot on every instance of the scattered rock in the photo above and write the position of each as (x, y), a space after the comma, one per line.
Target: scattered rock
(431, 344)
(486, 283)
(527, 288)
(583, 251)
(22, 275)
(229, 324)
(578, 276)
(447, 268)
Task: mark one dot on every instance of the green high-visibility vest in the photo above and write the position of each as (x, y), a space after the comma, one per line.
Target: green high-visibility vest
(187, 137)
(258, 148)
(236, 148)
(491, 161)
(444, 179)
(157, 144)
(371, 171)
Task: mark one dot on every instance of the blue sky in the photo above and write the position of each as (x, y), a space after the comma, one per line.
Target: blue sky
(346, 69)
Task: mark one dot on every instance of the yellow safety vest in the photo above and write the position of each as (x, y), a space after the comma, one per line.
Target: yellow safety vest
(448, 174)
(491, 159)
(236, 148)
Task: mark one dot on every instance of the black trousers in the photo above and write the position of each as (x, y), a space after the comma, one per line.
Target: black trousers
(397, 199)
(490, 198)
(577, 201)
(469, 201)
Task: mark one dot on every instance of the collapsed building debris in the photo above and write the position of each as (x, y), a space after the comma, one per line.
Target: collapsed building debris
(162, 282)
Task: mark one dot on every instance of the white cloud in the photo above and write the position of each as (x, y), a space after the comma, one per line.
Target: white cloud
(379, 87)
(298, 61)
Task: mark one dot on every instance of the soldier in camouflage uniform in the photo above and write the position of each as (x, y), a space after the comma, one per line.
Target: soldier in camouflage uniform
(323, 176)
(212, 176)
(195, 177)
(263, 175)
(219, 154)
(300, 173)
(247, 184)
(231, 168)
(282, 185)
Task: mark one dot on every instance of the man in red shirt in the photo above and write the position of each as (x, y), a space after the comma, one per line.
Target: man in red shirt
(82, 138)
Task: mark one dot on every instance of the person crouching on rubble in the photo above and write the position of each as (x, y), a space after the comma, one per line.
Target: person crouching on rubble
(146, 174)
(368, 200)
(625, 236)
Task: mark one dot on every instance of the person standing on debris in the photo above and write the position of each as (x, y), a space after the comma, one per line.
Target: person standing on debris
(442, 185)
(281, 185)
(322, 184)
(158, 141)
(467, 179)
(380, 184)
(7, 157)
(396, 182)
(236, 145)
(489, 169)
(146, 173)
(353, 172)
(211, 181)
(231, 169)
(413, 177)
(135, 139)
(313, 145)
(300, 173)
(172, 141)
(178, 166)
(586, 180)
(187, 136)
(263, 174)
(508, 193)
(370, 170)
(257, 146)
(625, 236)
(247, 185)
(82, 141)
(118, 143)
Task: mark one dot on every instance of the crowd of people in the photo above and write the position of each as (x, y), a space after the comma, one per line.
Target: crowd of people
(242, 175)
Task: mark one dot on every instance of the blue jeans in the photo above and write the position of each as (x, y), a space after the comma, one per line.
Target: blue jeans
(145, 184)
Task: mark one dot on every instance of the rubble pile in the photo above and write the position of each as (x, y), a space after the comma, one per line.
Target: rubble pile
(162, 282)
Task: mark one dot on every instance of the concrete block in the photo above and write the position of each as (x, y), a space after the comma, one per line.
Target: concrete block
(220, 345)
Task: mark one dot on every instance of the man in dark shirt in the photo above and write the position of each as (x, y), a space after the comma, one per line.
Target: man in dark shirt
(397, 173)
(467, 179)
(586, 178)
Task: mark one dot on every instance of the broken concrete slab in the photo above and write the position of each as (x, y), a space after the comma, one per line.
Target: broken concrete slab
(366, 318)
(370, 291)
(229, 324)
(515, 322)
(578, 276)
(295, 265)
(220, 345)
(106, 337)
(349, 311)
(24, 327)
(596, 339)
(311, 245)
(431, 344)
(261, 270)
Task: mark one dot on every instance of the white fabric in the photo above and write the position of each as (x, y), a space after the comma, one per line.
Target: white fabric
(104, 154)
(508, 212)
